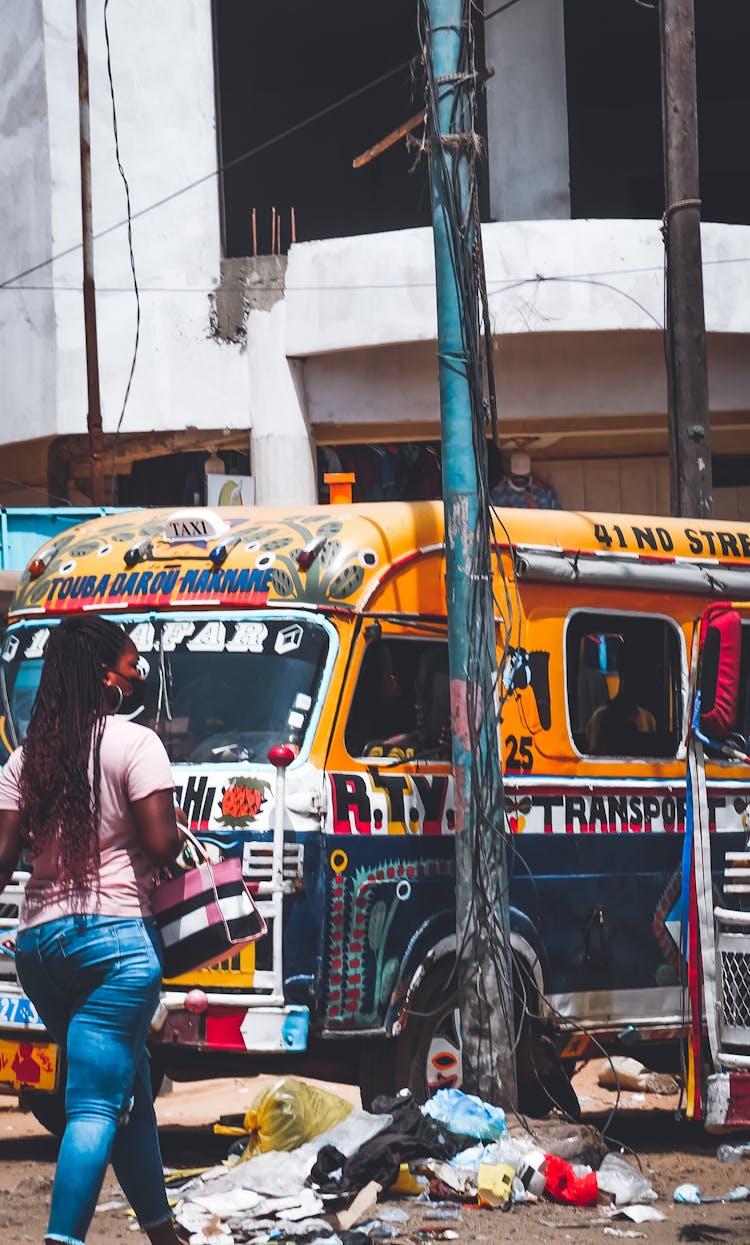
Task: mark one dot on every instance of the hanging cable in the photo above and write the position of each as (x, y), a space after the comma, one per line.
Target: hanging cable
(483, 936)
(410, 64)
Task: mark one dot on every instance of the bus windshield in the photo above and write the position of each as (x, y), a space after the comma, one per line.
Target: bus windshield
(216, 690)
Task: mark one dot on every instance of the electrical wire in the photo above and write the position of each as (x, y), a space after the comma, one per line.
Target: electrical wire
(222, 168)
(482, 938)
(500, 9)
(130, 250)
(410, 64)
(483, 954)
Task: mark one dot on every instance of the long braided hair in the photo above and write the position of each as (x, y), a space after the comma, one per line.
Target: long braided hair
(60, 797)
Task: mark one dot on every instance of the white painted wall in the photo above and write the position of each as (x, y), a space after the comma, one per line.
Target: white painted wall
(577, 316)
(527, 113)
(538, 376)
(27, 345)
(281, 447)
(563, 276)
(162, 64)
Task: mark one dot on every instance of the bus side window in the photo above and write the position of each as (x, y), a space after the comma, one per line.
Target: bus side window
(624, 685)
(401, 703)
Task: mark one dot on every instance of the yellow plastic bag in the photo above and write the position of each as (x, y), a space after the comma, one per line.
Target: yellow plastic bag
(287, 1114)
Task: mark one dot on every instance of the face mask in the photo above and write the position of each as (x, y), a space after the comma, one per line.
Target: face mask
(135, 700)
(132, 702)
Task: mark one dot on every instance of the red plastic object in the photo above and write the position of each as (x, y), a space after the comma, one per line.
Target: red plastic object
(563, 1185)
(282, 755)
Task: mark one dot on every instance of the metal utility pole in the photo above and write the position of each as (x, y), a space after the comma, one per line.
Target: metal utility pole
(484, 964)
(94, 419)
(687, 372)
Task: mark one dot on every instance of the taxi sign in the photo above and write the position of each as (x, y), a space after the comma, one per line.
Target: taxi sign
(194, 524)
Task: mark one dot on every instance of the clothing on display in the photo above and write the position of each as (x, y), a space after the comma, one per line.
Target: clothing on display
(389, 471)
(520, 491)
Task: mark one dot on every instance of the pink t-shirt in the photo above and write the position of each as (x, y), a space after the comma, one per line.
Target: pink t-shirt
(134, 764)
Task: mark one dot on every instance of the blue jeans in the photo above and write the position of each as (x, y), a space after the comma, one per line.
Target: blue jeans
(95, 982)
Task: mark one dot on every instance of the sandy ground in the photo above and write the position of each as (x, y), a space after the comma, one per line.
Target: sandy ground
(671, 1152)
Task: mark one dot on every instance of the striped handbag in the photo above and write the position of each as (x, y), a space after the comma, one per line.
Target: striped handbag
(205, 914)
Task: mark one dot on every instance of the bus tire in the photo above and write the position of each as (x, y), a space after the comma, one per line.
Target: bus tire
(49, 1108)
(426, 1056)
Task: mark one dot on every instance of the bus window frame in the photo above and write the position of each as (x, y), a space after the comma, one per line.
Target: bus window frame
(598, 758)
(204, 616)
(406, 632)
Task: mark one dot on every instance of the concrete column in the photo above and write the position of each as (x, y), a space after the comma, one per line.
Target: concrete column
(282, 448)
(527, 112)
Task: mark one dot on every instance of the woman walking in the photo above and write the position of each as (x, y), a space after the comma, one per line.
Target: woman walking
(89, 799)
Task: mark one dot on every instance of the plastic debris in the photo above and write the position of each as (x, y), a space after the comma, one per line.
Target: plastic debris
(691, 1194)
(286, 1115)
(465, 1113)
(727, 1153)
(622, 1072)
(519, 1193)
(688, 1194)
(408, 1184)
(505, 1150)
(562, 1184)
(436, 1234)
(376, 1230)
(531, 1171)
(452, 1180)
(630, 1232)
(637, 1214)
(443, 1211)
(495, 1184)
(394, 1214)
(626, 1184)
(578, 1143)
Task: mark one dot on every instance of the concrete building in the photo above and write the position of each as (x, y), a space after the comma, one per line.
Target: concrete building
(285, 364)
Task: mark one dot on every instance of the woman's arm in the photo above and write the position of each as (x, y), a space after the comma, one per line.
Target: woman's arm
(10, 843)
(156, 825)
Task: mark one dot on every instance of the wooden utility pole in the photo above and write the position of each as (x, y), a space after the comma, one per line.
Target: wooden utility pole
(687, 371)
(94, 418)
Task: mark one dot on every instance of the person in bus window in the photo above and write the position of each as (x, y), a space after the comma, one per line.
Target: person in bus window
(616, 728)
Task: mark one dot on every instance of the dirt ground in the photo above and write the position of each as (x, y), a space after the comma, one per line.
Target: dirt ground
(671, 1152)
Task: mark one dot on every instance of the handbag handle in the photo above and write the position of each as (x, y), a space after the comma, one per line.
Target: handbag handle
(198, 848)
(205, 859)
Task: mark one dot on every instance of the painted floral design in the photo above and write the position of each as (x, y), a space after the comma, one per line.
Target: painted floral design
(242, 800)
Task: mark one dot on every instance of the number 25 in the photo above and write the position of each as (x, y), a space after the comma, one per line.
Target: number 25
(519, 754)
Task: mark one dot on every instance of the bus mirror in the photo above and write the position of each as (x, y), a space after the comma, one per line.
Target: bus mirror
(719, 670)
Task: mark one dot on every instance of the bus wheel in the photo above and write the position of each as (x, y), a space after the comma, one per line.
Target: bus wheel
(49, 1108)
(427, 1055)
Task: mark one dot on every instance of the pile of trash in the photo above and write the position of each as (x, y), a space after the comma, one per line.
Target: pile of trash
(308, 1167)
